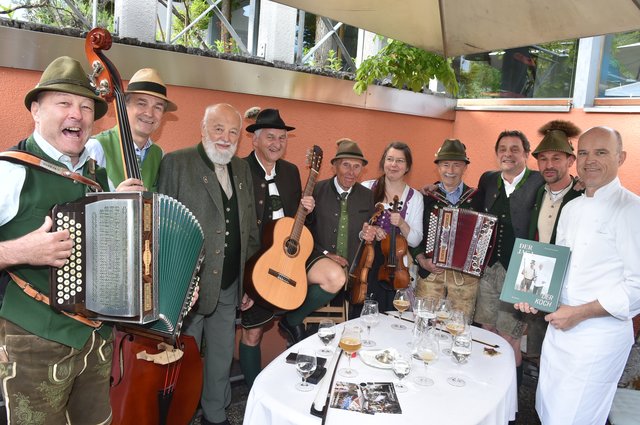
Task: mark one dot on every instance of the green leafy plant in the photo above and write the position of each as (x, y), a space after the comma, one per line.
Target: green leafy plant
(406, 67)
(333, 61)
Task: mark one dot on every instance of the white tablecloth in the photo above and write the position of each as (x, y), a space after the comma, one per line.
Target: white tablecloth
(489, 397)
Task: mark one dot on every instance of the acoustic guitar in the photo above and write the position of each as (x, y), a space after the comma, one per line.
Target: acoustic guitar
(278, 275)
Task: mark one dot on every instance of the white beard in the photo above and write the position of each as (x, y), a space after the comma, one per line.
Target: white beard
(216, 156)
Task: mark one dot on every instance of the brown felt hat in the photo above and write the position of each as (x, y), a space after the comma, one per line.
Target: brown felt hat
(148, 81)
(347, 148)
(452, 150)
(66, 75)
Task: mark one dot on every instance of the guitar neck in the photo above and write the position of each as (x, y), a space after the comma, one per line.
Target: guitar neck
(301, 214)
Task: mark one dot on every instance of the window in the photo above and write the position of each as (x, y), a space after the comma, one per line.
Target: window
(620, 67)
(540, 71)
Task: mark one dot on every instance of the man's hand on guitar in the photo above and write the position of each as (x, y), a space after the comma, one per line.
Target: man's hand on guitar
(246, 303)
(338, 259)
(308, 203)
(131, 185)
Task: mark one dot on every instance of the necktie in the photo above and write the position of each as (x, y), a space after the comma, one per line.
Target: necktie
(343, 227)
(222, 173)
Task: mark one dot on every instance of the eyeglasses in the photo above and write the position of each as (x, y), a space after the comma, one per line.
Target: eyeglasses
(396, 160)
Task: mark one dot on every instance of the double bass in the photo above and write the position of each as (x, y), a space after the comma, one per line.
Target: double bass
(394, 247)
(359, 270)
(152, 382)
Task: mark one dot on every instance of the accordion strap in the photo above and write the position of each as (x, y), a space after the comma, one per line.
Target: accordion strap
(28, 289)
(26, 158)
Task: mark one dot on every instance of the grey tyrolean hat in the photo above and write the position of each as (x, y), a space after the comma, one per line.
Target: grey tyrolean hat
(66, 75)
(452, 150)
(269, 118)
(347, 148)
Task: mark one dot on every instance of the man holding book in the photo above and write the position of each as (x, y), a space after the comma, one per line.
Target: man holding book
(555, 156)
(588, 341)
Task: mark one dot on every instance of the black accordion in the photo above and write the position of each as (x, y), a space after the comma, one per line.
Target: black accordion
(461, 239)
(135, 260)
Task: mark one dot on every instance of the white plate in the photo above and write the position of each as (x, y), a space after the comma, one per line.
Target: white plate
(369, 357)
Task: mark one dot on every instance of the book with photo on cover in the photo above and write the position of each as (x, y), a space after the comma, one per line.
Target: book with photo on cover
(536, 274)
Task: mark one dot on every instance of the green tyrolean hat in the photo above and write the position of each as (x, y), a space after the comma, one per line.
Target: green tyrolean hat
(452, 150)
(66, 75)
(556, 137)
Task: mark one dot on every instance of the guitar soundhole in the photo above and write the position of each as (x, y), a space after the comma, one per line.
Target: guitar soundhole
(291, 247)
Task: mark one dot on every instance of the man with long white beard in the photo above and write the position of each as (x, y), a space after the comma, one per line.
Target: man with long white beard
(217, 187)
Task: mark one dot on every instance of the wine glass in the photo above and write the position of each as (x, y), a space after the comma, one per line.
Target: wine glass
(401, 367)
(427, 351)
(306, 363)
(443, 308)
(401, 303)
(370, 317)
(350, 342)
(455, 325)
(326, 333)
(460, 352)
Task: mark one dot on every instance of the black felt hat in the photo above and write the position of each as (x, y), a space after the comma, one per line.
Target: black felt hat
(269, 118)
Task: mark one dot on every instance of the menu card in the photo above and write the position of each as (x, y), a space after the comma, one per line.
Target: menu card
(370, 397)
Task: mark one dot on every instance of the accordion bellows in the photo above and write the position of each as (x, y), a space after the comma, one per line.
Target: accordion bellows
(135, 260)
(461, 239)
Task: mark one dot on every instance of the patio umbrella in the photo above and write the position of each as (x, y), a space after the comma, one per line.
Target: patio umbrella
(457, 27)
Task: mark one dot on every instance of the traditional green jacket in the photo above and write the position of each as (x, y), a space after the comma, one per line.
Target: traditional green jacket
(115, 167)
(41, 191)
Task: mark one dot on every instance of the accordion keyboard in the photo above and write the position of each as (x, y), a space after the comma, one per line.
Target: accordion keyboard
(70, 277)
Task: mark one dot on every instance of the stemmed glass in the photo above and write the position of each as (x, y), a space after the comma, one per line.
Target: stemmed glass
(427, 351)
(401, 367)
(306, 363)
(350, 342)
(455, 325)
(370, 317)
(442, 314)
(326, 333)
(460, 351)
(401, 303)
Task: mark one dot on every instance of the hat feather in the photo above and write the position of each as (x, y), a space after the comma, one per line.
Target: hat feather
(567, 127)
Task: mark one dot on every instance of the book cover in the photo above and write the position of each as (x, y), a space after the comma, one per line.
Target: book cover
(536, 274)
(369, 398)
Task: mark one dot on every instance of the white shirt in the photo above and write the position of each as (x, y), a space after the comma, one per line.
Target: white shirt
(603, 233)
(413, 217)
(272, 188)
(13, 176)
(509, 188)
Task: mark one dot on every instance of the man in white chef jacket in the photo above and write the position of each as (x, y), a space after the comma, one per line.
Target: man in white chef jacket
(590, 335)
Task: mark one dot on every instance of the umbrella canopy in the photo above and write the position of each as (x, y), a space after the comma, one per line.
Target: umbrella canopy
(458, 27)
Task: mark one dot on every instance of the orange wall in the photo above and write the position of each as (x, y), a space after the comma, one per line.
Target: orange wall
(478, 130)
(315, 123)
(323, 124)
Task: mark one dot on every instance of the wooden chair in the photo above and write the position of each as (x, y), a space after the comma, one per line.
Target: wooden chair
(337, 310)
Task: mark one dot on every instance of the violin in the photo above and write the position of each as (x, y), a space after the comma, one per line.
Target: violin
(152, 382)
(361, 265)
(394, 247)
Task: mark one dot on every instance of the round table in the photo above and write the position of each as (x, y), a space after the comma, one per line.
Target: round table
(488, 398)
